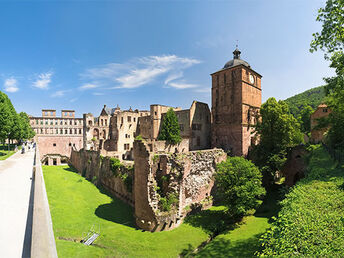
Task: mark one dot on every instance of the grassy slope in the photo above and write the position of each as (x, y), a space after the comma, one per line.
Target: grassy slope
(76, 205)
(311, 221)
(243, 241)
(312, 97)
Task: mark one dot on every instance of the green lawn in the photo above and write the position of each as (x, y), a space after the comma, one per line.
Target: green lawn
(76, 205)
(4, 153)
(242, 239)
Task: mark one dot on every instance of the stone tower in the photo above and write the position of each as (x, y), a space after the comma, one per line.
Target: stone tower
(236, 98)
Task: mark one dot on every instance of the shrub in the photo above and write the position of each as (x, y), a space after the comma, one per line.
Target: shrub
(166, 203)
(115, 165)
(310, 222)
(239, 185)
(139, 138)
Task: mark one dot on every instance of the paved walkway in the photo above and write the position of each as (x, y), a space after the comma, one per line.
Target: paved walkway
(15, 186)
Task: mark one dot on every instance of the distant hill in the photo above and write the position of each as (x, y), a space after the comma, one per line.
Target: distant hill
(312, 97)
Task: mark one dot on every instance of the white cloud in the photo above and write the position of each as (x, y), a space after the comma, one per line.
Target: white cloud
(88, 86)
(43, 80)
(203, 90)
(182, 85)
(11, 85)
(141, 71)
(59, 93)
(173, 76)
(98, 94)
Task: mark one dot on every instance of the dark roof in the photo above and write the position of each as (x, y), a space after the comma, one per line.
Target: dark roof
(236, 60)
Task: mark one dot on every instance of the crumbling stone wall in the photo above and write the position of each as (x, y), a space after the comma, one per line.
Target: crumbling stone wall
(97, 168)
(295, 167)
(168, 184)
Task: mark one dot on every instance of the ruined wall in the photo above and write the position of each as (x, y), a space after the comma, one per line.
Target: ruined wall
(317, 135)
(295, 167)
(167, 184)
(61, 145)
(96, 168)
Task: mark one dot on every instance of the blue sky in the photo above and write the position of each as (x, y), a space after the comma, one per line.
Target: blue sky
(82, 55)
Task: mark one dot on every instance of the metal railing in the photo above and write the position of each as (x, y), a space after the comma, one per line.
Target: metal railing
(42, 241)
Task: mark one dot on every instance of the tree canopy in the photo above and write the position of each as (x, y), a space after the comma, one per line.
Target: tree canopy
(277, 130)
(13, 126)
(239, 185)
(170, 130)
(331, 41)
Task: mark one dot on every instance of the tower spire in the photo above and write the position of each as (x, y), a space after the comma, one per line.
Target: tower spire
(236, 53)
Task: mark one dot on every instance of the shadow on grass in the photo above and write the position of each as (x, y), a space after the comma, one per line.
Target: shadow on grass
(117, 212)
(212, 222)
(225, 248)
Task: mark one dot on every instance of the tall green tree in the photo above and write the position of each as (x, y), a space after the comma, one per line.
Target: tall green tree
(277, 130)
(239, 185)
(170, 130)
(331, 41)
(6, 117)
(305, 119)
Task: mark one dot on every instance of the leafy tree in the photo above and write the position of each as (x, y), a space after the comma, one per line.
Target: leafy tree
(331, 37)
(170, 130)
(331, 40)
(26, 130)
(6, 117)
(277, 130)
(305, 119)
(239, 185)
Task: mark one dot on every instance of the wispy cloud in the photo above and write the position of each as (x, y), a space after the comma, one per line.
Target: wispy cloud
(88, 86)
(98, 93)
(141, 71)
(59, 93)
(203, 90)
(173, 76)
(43, 80)
(11, 85)
(182, 85)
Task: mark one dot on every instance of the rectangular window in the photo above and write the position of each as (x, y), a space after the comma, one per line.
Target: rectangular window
(36, 122)
(325, 110)
(129, 119)
(54, 144)
(79, 131)
(121, 120)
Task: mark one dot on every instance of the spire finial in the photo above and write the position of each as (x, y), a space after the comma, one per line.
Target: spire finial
(237, 43)
(236, 53)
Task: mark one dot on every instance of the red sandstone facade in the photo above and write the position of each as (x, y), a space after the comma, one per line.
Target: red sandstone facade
(317, 135)
(236, 100)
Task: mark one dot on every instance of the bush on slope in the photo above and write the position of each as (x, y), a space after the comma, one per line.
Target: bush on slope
(311, 221)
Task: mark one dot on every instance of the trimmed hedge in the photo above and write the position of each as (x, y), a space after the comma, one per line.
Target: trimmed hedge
(311, 221)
